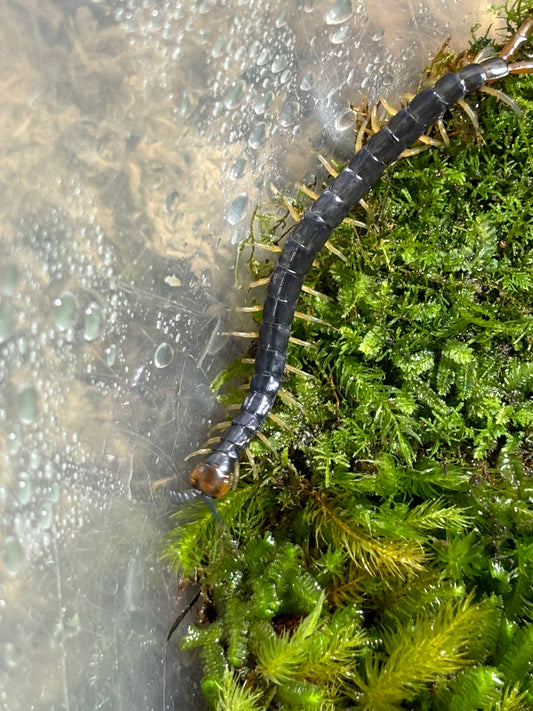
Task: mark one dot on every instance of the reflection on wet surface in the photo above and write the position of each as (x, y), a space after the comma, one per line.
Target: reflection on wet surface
(138, 138)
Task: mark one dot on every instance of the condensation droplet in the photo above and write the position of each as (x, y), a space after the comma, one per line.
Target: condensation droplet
(93, 321)
(281, 21)
(163, 355)
(12, 554)
(340, 35)
(232, 97)
(218, 48)
(54, 492)
(339, 12)
(24, 488)
(7, 320)
(237, 169)
(264, 102)
(289, 113)
(47, 514)
(8, 278)
(111, 355)
(14, 440)
(237, 208)
(258, 135)
(279, 64)
(345, 120)
(65, 311)
(27, 404)
(378, 34)
(262, 59)
(308, 81)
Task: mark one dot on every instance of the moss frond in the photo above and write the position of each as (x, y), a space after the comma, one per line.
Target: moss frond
(418, 654)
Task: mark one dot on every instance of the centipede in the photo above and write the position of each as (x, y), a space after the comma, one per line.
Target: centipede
(213, 477)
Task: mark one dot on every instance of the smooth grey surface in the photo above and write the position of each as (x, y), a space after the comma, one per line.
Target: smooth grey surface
(137, 140)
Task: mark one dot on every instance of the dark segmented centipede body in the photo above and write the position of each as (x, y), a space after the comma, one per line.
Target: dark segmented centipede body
(213, 476)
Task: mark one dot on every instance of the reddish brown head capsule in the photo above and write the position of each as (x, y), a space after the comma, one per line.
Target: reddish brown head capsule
(210, 480)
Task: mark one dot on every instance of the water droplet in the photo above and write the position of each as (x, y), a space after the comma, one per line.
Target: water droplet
(237, 208)
(185, 106)
(14, 440)
(345, 120)
(255, 49)
(258, 135)
(172, 201)
(232, 97)
(93, 321)
(65, 311)
(264, 102)
(308, 81)
(12, 554)
(339, 12)
(218, 48)
(289, 113)
(7, 320)
(285, 76)
(24, 488)
(237, 169)
(340, 35)
(27, 404)
(163, 355)
(378, 34)
(279, 64)
(54, 492)
(47, 514)
(8, 278)
(281, 20)
(262, 59)
(111, 355)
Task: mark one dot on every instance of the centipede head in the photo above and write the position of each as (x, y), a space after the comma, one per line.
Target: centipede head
(211, 480)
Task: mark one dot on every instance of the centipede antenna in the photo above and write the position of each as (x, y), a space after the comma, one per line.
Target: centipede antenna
(184, 497)
(210, 503)
(179, 619)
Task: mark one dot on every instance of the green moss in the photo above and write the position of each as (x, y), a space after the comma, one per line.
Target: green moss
(385, 559)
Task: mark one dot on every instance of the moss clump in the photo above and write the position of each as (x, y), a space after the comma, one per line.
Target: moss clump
(384, 559)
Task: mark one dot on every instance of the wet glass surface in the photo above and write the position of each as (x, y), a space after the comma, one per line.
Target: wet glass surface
(138, 137)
